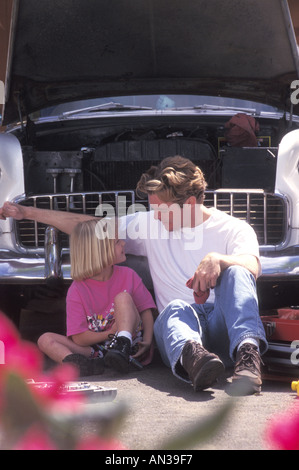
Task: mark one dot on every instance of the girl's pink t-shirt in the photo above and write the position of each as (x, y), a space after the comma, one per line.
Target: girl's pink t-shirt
(90, 303)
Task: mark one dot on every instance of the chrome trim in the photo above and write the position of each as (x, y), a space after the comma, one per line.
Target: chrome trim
(280, 266)
(246, 214)
(52, 254)
(18, 269)
(247, 217)
(69, 198)
(21, 270)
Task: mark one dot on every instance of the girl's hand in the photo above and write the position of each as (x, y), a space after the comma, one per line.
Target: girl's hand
(113, 329)
(143, 347)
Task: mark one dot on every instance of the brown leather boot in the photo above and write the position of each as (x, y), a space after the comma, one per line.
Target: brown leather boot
(247, 373)
(202, 366)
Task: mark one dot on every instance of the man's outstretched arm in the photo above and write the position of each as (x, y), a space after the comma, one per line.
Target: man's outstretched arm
(64, 221)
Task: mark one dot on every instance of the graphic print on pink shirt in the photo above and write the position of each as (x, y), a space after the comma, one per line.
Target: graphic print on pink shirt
(98, 322)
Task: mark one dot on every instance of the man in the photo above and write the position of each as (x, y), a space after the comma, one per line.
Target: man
(218, 254)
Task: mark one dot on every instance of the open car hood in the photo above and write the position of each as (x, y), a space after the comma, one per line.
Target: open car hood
(65, 50)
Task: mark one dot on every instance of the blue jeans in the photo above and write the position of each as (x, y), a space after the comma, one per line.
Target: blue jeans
(219, 327)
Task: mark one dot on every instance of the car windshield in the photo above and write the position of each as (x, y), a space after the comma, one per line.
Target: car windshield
(153, 102)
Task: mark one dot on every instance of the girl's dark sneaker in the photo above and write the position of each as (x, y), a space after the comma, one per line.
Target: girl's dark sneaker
(85, 365)
(118, 354)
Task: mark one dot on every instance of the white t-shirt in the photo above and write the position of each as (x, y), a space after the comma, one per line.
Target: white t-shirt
(173, 257)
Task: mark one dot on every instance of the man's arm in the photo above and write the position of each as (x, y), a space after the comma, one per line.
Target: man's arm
(64, 221)
(213, 264)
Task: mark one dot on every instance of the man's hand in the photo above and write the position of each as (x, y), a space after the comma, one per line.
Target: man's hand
(10, 209)
(207, 273)
(211, 266)
(2, 217)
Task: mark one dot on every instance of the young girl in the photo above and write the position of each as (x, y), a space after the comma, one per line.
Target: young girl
(105, 301)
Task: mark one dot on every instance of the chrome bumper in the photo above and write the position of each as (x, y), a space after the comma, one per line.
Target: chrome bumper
(280, 266)
(25, 270)
(22, 269)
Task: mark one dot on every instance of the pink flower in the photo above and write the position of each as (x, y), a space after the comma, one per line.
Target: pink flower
(25, 359)
(29, 406)
(19, 356)
(99, 443)
(35, 439)
(8, 333)
(52, 391)
(282, 432)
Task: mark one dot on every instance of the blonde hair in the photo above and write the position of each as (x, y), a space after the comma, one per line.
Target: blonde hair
(92, 248)
(175, 179)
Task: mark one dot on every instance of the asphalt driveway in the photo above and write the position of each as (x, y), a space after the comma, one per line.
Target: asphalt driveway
(160, 407)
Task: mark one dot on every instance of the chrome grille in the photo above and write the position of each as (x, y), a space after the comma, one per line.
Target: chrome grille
(266, 213)
(31, 235)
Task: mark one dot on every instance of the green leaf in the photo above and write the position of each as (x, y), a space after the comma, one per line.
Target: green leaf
(201, 431)
(21, 410)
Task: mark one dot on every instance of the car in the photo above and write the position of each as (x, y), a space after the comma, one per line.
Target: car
(96, 92)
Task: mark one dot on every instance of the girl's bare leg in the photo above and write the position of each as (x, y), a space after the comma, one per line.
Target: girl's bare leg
(57, 347)
(125, 313)
(127, 320)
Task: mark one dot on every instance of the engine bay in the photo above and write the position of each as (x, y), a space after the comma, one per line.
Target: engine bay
(85, 158)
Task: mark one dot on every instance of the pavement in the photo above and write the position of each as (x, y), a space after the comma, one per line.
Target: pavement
(159, 408)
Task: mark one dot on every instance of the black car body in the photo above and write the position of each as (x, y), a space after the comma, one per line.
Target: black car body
(96, 92)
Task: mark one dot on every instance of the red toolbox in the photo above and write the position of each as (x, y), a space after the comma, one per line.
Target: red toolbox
(282, 331)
